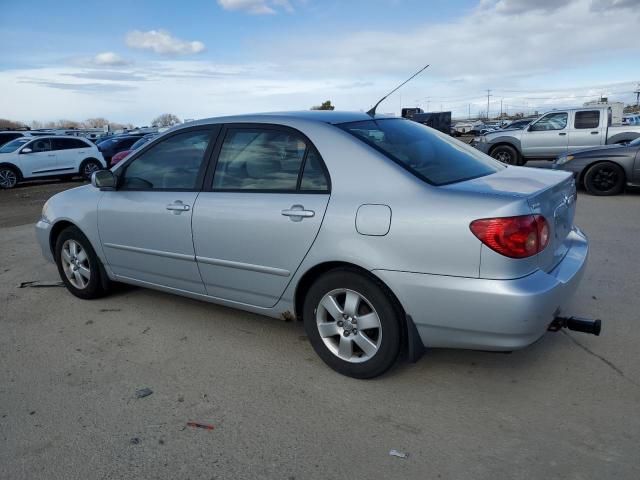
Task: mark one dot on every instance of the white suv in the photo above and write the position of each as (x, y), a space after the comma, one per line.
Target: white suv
(48, 156)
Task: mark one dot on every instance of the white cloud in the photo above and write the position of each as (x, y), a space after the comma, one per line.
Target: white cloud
(161, 41)
(109, 59)
(257, 7)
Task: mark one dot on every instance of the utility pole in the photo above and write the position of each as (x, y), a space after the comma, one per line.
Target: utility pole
(501, 108)
(469, 111)
(637, 92)
(488, 95)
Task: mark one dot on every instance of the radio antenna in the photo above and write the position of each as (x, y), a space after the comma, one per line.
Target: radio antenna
(372, 112)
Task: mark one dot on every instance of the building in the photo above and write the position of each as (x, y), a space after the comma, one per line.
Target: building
(617, 108)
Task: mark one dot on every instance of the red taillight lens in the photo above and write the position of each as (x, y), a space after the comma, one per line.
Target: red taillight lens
(515, 237)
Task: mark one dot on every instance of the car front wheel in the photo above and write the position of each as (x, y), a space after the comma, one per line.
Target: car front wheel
(604, 178)
(78, 265)
(506, 154)
(353, 323)
(8, 177)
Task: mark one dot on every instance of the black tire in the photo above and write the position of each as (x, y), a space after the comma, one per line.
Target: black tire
(9, 177)
(375, 295)
(604, 178)
(88, 166)
(506, 154)
(98, 283)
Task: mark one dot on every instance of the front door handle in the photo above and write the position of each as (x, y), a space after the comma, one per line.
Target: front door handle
(562, 133)
(178, 207)
(297, 213)
(52, 155)
(594, 133)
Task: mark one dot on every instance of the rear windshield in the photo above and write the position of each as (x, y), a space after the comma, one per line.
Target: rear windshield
(427, 153)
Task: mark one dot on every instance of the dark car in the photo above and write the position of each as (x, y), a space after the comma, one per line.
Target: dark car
(605, 170)
(117, 143)
(7, 136)
(118, 157)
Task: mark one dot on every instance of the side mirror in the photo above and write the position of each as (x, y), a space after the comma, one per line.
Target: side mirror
(104, 180)
(26, 150)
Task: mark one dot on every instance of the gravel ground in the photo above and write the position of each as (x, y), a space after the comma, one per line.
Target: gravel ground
(566, 407)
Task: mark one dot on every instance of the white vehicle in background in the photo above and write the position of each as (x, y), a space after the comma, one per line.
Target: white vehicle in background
(47, 156)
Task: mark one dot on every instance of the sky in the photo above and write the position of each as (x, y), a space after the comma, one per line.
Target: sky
(130, 61)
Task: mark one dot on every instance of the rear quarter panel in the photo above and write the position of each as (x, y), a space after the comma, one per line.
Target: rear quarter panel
(429, 230)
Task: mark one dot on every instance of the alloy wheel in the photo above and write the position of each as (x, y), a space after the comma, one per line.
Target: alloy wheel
(503, 157)
(349, 325)
(605, 179)
(75, 264)
(8, 178)
(89, 168)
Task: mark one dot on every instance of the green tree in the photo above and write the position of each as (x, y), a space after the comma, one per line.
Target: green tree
(325, 106)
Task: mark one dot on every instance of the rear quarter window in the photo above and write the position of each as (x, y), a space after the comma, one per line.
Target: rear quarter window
(427, 153)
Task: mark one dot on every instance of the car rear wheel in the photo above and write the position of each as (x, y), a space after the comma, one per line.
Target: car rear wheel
(78, 265)
(506, 154)
(353, 323)
(604, 178)
(8, 177)
(88, 167)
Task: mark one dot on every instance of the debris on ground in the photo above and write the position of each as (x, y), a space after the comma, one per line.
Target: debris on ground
(146, 330)
(134, 441)
(205, 426)
(110, 310)
(143, 392)
(40, 284)
(396, 453)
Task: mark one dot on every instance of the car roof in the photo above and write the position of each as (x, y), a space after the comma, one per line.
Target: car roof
(73, 137)
(321, 116)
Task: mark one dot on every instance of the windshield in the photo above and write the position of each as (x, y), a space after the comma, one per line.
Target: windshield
(427, 153)
(13, 145)
(635, 143)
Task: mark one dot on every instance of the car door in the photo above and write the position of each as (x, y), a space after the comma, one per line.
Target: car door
(259, 213)
(70, 152)
(546, 137)
(37, 159)
(145, 224)
(587, 129)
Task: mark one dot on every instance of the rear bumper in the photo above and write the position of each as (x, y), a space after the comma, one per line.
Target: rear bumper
(456, 312)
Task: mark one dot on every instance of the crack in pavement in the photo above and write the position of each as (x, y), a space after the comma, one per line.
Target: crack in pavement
(601, 358)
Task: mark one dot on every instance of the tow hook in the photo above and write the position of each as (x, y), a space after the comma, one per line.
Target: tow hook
(577, 324)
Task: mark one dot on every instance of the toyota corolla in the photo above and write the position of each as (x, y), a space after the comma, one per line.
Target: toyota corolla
(382, 235)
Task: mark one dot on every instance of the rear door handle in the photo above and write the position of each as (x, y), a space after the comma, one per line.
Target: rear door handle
(562, 133)
(178, 207)
(297, 213)
(594, 133)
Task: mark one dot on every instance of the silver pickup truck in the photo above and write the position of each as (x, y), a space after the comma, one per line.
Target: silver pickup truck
(556, 133)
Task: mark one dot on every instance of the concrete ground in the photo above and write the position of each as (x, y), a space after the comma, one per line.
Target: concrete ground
(567, 407)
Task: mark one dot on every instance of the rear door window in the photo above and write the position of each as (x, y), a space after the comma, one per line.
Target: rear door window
(267, 159)
(587, 119)
(427, 153)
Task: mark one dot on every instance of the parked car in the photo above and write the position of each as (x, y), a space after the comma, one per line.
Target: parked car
(47, 156)
(554, 134)
(117, 143)
(519, 124)
(381, 234)
(605, 170)
(118, 157)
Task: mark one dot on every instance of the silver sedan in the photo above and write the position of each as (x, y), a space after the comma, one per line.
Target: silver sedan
(382, 235)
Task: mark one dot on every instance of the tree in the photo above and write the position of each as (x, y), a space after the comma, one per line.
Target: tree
(165, 120)
(98, 122)
(325, 106)
(4, 123)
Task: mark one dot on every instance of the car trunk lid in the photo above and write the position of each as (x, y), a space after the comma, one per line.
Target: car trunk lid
(546, 192)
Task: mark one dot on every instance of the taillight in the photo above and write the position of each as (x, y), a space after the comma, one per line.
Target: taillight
(515, 237)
